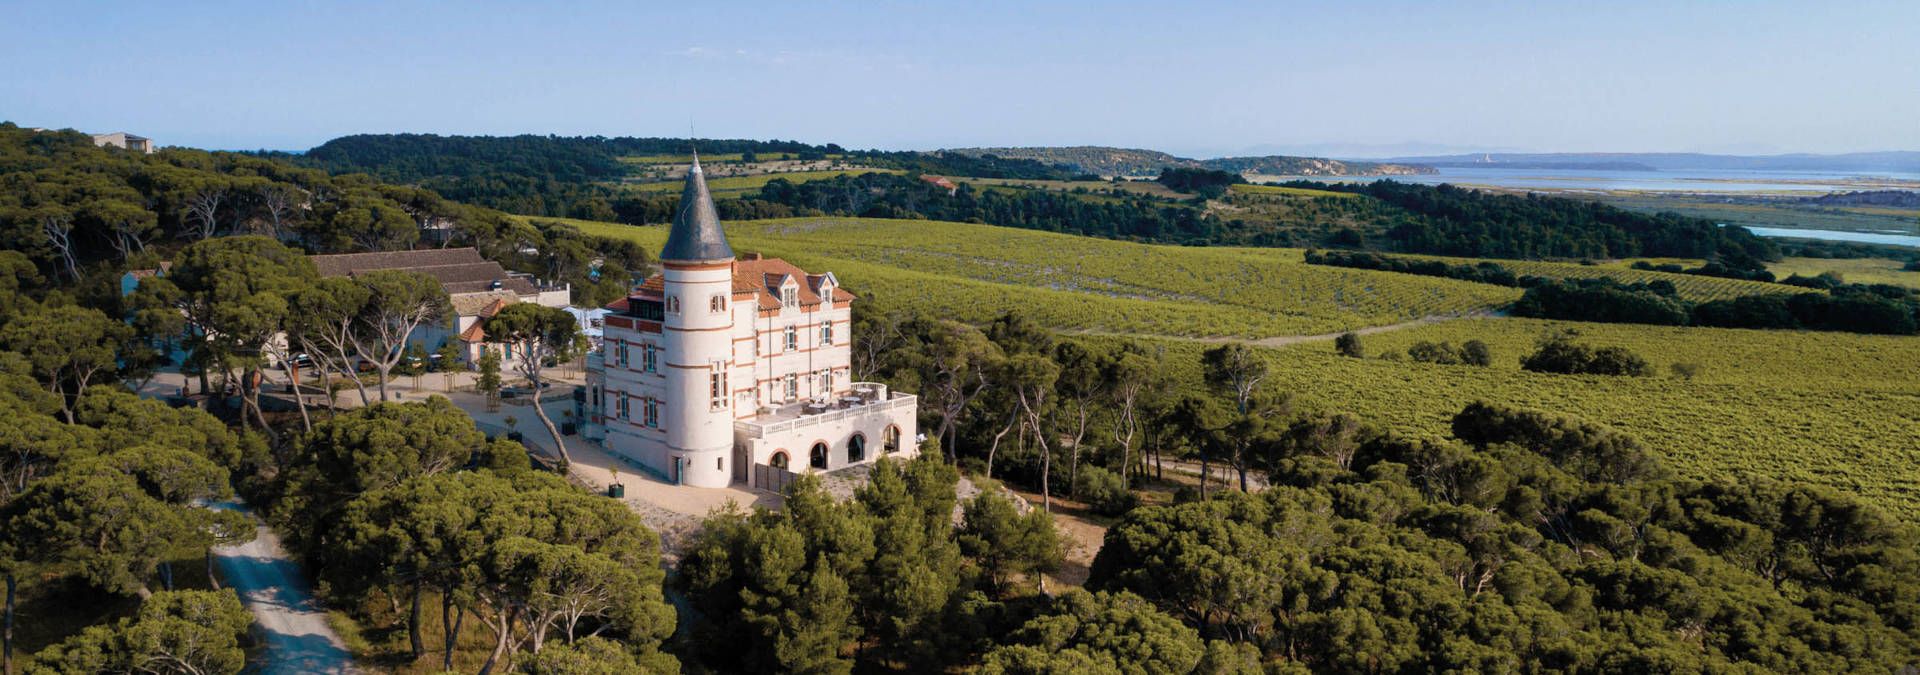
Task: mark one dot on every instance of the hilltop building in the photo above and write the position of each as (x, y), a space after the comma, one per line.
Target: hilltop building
(124, 141)
(721, 369)
(477, 289)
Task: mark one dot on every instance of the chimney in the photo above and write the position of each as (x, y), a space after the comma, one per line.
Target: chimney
(750, 255)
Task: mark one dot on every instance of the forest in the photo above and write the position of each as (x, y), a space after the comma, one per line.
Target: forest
(1464, 222)
(573, 176)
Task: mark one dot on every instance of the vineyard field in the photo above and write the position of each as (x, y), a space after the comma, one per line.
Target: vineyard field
(1834, 409)
(1275, 190)
(1691, 286)
(1142, 187)
(1758, 358)
(1823, 427)
(734, 186)
(975, 272)
(1854, 270)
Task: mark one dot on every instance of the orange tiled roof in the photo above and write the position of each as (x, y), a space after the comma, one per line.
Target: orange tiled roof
(493, 308)
(473, 333)
(762, 277)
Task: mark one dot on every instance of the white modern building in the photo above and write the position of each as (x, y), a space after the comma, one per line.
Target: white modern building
(722, 370)
(124, 141)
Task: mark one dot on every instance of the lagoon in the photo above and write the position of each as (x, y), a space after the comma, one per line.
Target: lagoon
(1838, 235)
(1683, 181)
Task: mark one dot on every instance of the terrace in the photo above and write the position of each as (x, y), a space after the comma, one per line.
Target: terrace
(867, 398)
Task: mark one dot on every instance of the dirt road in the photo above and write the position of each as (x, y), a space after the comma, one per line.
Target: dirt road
(293, 632)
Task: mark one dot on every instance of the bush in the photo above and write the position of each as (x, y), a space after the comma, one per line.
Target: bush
(1348, 345)
(1559, 353)
(1104, 491)
(1685, 371)
(1476, 353)
(1429, 352)
(1617, 361)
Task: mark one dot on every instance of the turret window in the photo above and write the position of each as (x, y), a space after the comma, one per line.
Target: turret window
(717, 389)
(673, 304)
(717, 304)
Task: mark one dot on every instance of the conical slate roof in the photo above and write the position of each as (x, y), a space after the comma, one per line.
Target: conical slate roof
(696, 235)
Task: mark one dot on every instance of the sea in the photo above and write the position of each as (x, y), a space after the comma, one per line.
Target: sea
(1689, 181)
(1701, 182)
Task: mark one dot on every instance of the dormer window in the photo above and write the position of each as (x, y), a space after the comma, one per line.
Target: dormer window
(790, 296)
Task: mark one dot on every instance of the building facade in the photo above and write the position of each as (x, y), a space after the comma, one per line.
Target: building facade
(477, 289)
(721, 370)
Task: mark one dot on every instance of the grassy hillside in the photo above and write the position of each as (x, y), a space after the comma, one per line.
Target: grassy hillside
(977, 271)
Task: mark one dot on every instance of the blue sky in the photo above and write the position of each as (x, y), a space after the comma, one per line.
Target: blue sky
(1339, 78)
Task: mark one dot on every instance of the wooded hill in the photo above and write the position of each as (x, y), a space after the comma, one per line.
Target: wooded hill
(1106, 161)
(577, 176)
(82, 214)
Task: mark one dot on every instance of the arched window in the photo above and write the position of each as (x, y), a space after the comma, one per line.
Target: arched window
(890, 440)
(779, 460)
(856, 448)
(818, 456)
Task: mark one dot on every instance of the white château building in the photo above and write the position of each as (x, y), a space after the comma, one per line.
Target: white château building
(722, 370)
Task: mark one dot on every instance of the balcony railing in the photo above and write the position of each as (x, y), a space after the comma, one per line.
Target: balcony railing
(877, 401)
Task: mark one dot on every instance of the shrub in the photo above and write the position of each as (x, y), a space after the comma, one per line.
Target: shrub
(1348, 344)
(1104, 491)
(1559, 353)
(1476, 353)
(1617, 361)
(1685, 371)
(1429, 352)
